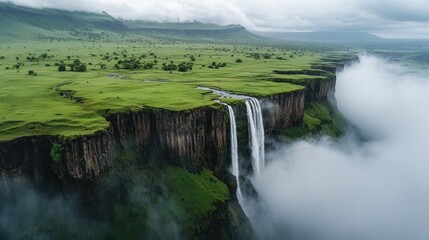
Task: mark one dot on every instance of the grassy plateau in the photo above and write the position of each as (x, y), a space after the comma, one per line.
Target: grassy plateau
(38, 99)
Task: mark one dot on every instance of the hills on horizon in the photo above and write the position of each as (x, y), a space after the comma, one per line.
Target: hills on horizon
(20, 23)
(26, 23)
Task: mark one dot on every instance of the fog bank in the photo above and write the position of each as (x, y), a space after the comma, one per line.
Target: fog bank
(349, 190)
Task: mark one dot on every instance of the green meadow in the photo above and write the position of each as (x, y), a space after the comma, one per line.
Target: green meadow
(38, 99)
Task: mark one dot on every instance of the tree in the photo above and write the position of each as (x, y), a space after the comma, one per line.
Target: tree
(62, 68)
(169, 67)
(184, 66)
(80, 68)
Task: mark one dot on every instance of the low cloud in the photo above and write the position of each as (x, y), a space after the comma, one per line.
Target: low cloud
(353, 190)
(390, 18)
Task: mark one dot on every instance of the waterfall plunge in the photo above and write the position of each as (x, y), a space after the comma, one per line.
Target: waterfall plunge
(256, 127)
(234, 151)
(256, 133)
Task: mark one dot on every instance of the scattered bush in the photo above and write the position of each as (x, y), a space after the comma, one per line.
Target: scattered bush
(80, 68)
(77, 66)
(217, 65)
(148, 65)
(62, 68)
(238, 60)
(32, 73)
(185, 66)
(266, 56)
(169, 67)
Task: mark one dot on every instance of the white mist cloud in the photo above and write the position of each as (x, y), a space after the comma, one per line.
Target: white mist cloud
(380, 190)
(390, 18)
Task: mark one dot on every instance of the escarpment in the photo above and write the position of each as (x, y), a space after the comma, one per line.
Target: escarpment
(194, 139)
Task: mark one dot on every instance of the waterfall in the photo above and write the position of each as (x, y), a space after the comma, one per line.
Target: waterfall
(256, 133)
(4, 180)
(256, 126)
(234, 151)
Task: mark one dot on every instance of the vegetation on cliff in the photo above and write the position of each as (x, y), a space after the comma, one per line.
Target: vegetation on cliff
(320, 119)
(131, 202)
(169, 202)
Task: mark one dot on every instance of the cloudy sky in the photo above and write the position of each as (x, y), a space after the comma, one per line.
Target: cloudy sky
(386, 18)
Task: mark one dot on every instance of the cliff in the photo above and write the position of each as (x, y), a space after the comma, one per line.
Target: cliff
(193, 139)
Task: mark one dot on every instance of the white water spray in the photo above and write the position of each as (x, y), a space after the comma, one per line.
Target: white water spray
(256, 133)
(234, 151)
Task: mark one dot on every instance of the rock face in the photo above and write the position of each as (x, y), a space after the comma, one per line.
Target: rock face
(282, 111)
(29, 157)
(318, 90)
(87, 157)
(192, 139)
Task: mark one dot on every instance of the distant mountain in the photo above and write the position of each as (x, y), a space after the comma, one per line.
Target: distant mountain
(25, 23)
(324, 37)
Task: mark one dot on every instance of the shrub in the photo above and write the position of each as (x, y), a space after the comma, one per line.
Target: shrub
(217, 65)
(80, 68)
(267, 55)
(32, 73)
(148, 65)
(169, 67)
(238, 60)
(56, 152)
(184, 66)
(62, 68)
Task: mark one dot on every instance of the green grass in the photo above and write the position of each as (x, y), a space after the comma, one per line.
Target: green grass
(32, 105)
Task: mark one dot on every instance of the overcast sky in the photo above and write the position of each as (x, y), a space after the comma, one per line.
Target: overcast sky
(386, 18)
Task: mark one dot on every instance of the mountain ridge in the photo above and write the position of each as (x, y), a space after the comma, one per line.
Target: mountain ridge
(21, 22)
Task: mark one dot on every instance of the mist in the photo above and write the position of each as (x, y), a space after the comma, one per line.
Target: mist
(349, 189)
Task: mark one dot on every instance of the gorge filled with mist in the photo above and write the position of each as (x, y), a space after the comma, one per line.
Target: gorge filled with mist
(370, 184)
